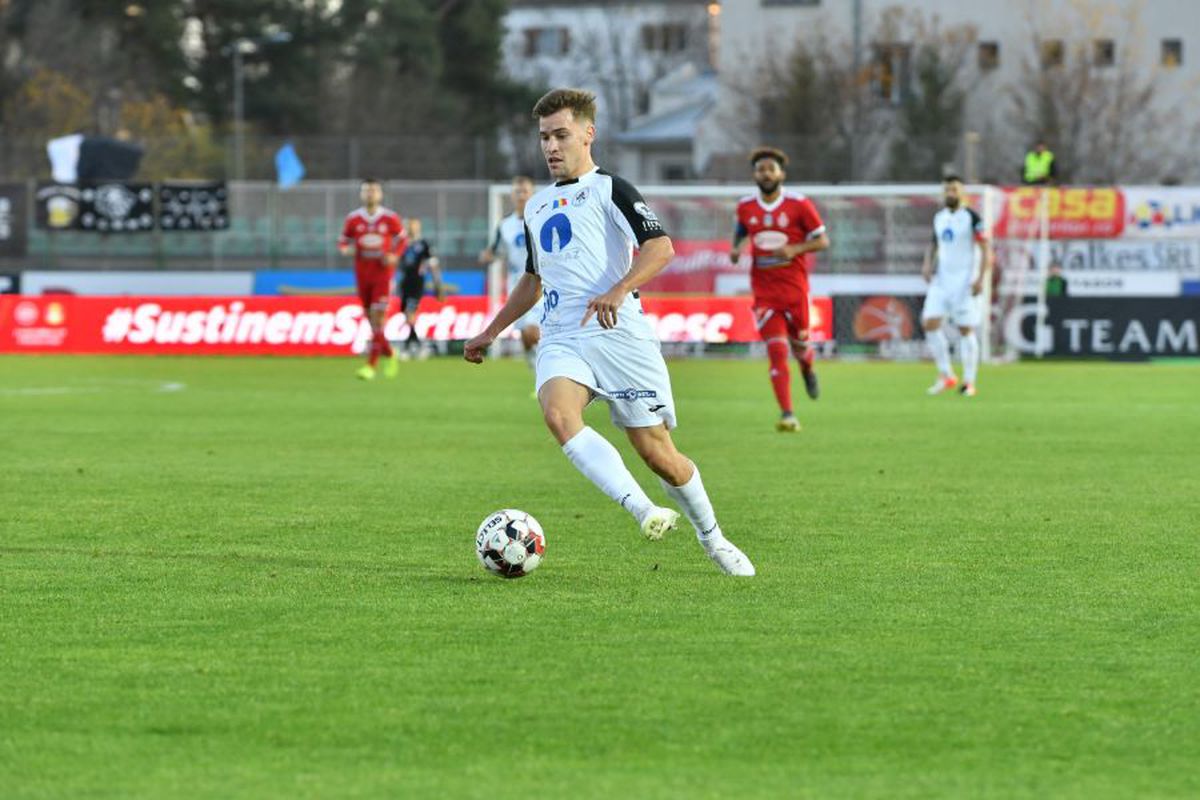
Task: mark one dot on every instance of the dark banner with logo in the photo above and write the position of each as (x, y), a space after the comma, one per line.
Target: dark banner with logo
(1124, 327)
(12, 219)
(117, 207)
(56, 207)
(878, 325)
(193, 207)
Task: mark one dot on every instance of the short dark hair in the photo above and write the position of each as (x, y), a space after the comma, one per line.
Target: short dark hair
(375, 181)
(951, 178)
(581, 102)
(522, 179)
(759, 153)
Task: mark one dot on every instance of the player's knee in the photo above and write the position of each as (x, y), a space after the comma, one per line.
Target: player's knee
(562, 422)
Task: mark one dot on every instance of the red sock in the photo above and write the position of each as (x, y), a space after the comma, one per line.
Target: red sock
(373, 352)
(781, 375)
(385, 347)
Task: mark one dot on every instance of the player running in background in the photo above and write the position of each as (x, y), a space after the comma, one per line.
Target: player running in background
(509, 242)
(417, 261)
(596, 342)
(954, 286)
(375, 235)
(784, 229)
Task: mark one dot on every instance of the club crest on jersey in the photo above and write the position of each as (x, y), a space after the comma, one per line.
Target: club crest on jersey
(768, 220)
(580, 198)
(782, 219)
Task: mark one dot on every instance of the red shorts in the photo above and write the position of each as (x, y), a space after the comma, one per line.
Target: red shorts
(374, 287)
(782, 320)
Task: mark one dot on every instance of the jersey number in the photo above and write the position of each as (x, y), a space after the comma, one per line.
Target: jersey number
(549, 302)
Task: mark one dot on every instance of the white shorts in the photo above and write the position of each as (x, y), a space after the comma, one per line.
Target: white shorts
(628, 373)
(960, 308)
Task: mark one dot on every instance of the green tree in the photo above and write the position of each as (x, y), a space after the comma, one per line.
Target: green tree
(930, 119)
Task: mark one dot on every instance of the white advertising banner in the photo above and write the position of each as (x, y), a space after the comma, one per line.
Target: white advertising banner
(1159, 212)
(158, 284)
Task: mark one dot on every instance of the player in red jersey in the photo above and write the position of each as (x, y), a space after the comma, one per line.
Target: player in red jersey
(783, 228)
(375, 234)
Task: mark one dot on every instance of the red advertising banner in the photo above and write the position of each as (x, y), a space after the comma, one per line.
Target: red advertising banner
(311, 325)
(1082, 212)
(695, 267)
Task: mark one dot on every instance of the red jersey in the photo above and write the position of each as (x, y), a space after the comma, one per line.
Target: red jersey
(792, 218)
(374, 237)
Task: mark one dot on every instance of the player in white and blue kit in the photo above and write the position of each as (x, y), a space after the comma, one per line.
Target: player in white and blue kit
(596, 342)
(509, 242)
(960, 245)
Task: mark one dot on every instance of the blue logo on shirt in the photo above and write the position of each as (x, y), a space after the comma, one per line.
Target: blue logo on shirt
(948, 235)
(519, 242)
(556, 233)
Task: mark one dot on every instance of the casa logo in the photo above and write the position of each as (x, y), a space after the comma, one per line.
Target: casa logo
(881, 319)
(1151, 214)
(1066, 204)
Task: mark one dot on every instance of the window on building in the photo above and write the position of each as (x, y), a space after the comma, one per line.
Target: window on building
(1172, 53)
(1104, 52)
(546, 41)
(673, 172)
(890, 69)
(1053, 53)
(989, 55)
(666, 38)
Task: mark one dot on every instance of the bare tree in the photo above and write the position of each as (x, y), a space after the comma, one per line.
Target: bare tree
(1099, 110)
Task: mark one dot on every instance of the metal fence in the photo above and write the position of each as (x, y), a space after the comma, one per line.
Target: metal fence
(272, 228)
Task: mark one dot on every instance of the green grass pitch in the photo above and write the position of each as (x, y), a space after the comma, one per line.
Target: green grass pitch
(228, 578)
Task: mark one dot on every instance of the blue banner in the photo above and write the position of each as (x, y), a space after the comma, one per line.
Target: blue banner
(341, 282)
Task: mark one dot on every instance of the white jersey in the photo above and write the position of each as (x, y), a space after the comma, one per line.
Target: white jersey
(954, 236)
(509, 241)
(580, 236)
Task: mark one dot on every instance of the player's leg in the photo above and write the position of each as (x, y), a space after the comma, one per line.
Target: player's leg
(366, 297)
(797, 320)
(932, 315)
(968, 347)
(531, 334)
(563, 400)
(382, 348)
(410, 303)
(772, 327)
(681, 479)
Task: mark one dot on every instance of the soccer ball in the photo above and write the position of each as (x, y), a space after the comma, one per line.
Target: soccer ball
(510, 543)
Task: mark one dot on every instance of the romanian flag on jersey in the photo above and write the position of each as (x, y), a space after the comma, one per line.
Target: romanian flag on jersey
(559, 203)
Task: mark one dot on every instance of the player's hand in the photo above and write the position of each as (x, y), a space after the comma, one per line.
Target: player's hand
(977, 286)
(605, 307)
(345, 249)
(788, 251)
(926, 274)
(475, 349)
(440, 292)
(391, 259)
(485, 256)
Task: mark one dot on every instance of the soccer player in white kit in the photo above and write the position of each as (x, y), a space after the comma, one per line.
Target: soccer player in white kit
(579, 235)
(954, 287)
(509, 242)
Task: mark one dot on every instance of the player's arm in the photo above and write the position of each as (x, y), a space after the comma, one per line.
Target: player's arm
(523, 297)
(988, 257)
(927, 263)
(399, 243)
(816, 237)
(488, 254)
(345, 242)
(435, 269)
(629, 212)
(739, 238)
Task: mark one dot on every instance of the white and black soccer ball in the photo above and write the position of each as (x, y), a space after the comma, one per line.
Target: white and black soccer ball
(510, 543)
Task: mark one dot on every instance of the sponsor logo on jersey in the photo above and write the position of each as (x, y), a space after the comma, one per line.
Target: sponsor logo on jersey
(632, 394)
(556, 233)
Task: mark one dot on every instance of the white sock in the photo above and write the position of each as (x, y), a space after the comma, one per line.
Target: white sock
(968, 349)
(599, 461)
(694, 503)
(940, 349)
(531, 356)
